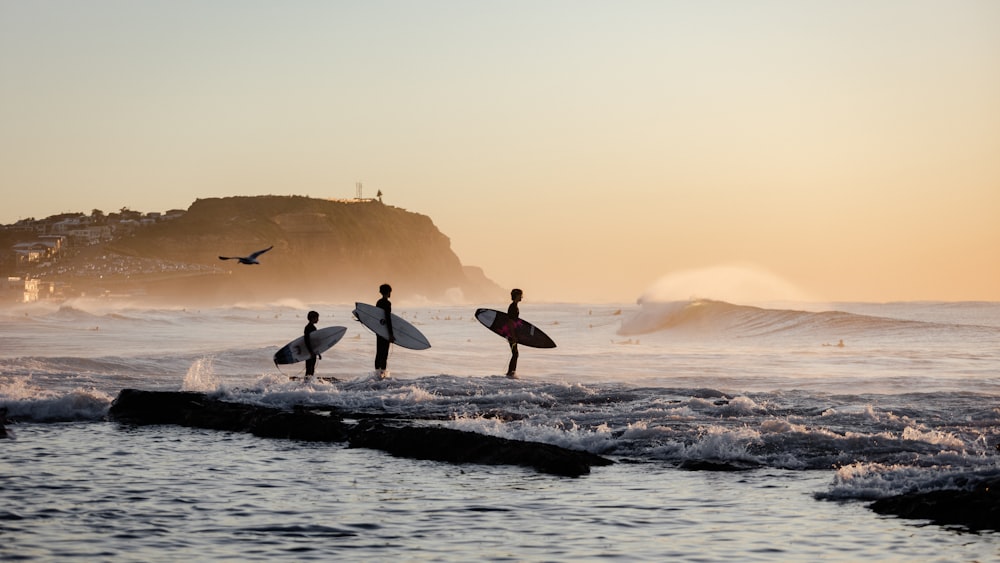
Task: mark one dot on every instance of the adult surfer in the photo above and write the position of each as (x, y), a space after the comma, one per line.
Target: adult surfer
(513, 315)
(313, 318)
(381, 344)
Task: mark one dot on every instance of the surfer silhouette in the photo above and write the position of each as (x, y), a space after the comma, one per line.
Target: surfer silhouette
(513, 314)
(310, 328)
(382, 344)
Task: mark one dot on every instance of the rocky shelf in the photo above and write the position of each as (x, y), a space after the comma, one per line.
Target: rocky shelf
(977, 507)
(403, 438)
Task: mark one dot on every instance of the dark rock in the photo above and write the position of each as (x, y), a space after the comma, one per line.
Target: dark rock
(716, 465)
(197, 410)
(976, 508)
(154, 407)
(327, 424)
(456, 446)
(313, 426)
(4, 433)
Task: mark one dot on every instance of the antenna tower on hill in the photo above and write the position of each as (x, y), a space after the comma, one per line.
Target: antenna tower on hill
(357, 190)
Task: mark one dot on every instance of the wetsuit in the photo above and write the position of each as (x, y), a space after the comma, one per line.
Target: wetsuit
(311, 362)
(382, 344)
(515, 314)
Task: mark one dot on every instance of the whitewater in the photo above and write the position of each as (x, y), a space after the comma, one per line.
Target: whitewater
(739, 432)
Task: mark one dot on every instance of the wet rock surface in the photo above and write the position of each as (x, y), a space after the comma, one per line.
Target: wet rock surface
(403, 438)
(456, 446)
(977, 507)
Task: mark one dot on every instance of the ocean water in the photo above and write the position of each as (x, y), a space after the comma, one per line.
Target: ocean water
(823, 408)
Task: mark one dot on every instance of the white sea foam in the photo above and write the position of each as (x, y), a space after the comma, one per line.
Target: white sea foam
(22, 399)
(870, 481)
(200, 376)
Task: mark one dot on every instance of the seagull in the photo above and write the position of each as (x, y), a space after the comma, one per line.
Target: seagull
(252, 259)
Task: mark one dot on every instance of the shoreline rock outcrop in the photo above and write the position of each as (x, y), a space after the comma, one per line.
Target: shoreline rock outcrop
(976, 508)
(459, 447)
(402, 438)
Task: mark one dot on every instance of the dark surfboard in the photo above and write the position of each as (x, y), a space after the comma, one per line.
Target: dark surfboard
(527, 333)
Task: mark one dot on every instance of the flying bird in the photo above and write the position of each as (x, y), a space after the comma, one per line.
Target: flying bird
(252, 259)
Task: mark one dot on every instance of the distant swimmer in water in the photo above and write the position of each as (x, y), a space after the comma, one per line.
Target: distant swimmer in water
(252, 259)
(513, 314)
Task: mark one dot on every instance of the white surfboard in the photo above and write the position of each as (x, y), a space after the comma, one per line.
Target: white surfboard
(322, 340)
(406, 334)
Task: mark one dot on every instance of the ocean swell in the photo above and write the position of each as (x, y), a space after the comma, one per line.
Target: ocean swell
(708, 317)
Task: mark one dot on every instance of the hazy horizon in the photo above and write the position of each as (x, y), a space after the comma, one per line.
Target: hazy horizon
(583, 151)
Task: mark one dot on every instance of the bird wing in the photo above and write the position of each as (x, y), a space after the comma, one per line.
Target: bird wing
(225, 257)
(259, 252)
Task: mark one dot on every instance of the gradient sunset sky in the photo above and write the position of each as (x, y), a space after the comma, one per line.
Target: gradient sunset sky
(581, 150)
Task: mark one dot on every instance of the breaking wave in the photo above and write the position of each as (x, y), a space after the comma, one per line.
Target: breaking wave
(705, 316)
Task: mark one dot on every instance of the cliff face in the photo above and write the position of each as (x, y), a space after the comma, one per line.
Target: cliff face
(323, 250)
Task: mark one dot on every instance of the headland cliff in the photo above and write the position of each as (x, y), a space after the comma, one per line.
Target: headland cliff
(323, 250)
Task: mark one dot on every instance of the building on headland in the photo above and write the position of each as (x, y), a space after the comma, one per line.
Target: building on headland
(87, 236)
(25, 290)
(55, 242)
(39, 250)
(41, 240)
(96, 225)
(31, 252)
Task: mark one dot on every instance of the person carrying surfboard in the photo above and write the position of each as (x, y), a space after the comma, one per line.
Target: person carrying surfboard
(513, 314)
(382, 344)
(313, 318)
